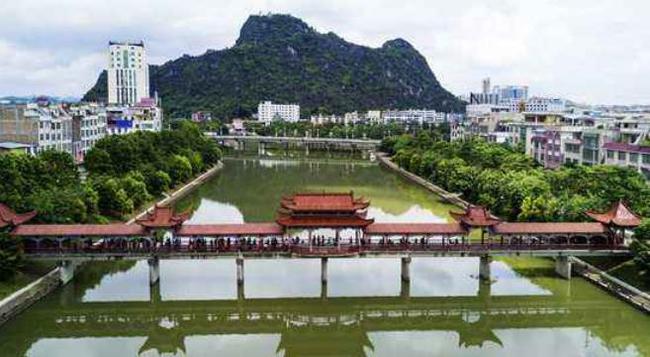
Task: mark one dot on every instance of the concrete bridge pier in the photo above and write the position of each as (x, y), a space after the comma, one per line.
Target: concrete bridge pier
(484, 288)
(405, 289)
(154, 293)
(154, 270)
(406, 269)
(240, 277)
(66, 271)
(323, 277)
(484, 268)
(563, 267)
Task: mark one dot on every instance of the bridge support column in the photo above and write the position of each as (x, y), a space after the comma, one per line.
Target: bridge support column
(306, 149)
(563, 267)
(484, 268)
(240, 277)
(323, 270)
(406, 269)
(154, 293)
(484, 288)
(66, 271)
(154, 270)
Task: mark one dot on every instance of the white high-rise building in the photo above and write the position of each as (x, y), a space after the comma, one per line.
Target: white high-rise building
(267, 112)
(128, 73)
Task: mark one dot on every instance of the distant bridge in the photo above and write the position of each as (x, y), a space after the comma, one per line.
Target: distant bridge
(239, 142)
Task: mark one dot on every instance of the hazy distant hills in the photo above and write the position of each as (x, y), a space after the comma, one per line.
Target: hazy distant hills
(281, 58)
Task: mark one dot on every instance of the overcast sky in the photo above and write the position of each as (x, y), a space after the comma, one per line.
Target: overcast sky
(595, 51)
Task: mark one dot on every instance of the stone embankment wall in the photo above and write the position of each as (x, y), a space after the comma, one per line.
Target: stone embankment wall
(15, 303)
(449, 197)
(614, 286)
(183, 191)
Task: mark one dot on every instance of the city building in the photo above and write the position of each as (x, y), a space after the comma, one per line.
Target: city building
(145, 115)
(636, 157)
(128, 73)
(545, 105)
(410, 116)
(88, 127)
(42, 127)
(268, 112)
(201, 117)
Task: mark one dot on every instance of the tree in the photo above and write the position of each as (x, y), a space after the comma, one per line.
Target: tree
(98, 161)
(11, 258)
(180, 169)
(642, 232)
(135, 187)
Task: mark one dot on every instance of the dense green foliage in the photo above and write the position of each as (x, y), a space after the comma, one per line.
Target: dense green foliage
(332, 130)
(10, 258)
(48, 183)
(512, 186)
(126, 170)
(281, 58)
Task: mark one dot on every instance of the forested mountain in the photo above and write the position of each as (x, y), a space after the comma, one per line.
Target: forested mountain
(281, 58)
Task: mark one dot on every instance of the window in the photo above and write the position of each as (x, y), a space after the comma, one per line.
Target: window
(622, 155)
(610, 154)
(634, 158)
(646, 158)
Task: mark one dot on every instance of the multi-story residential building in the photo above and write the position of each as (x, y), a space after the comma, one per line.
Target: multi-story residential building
(411, 116)
(88, 127)
(511, 93)
(545, 105)
(636, 157)
(42, 127)
(268, 112)
(128, 73)
(201, 117)
(373, 116)
(145, 115)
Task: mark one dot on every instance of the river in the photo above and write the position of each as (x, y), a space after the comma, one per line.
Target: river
(110, 310)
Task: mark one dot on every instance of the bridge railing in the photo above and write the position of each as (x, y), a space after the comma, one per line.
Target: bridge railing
(305, 249)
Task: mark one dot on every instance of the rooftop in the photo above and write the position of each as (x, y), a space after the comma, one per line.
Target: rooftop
(162, 217)
(9, 218)
(618, 215)
(475, 216)
(324, 202)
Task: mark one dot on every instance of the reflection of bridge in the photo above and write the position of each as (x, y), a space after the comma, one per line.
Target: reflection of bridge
(308, 325)
(239, 142)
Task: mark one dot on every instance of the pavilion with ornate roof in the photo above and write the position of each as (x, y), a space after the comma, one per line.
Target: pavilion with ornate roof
(323, 210)
(9, 218)
(162, 217)
(619, 218)
(476, 217)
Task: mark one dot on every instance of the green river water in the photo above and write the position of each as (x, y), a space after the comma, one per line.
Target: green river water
(110, 310)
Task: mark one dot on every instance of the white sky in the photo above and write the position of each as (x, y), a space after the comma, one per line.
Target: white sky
(595, 51)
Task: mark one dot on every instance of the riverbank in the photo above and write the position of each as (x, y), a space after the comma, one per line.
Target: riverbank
(453, 199)
(29, 288)
(24, 297)
(181, 192)
(619, 288)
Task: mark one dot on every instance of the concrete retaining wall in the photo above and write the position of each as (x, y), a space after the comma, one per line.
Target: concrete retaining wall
(453, 199)
(183, 191)
(15, 303)
(614, 286)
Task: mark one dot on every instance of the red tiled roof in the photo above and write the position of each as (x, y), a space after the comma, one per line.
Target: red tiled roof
(55, 230)
(253, 229)
(619, 215)
(10, 218)
(353, 221)
(415, 228)
(162, 217)
(475, 216)
(627, 147)
(549, 228)
(324, 202)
